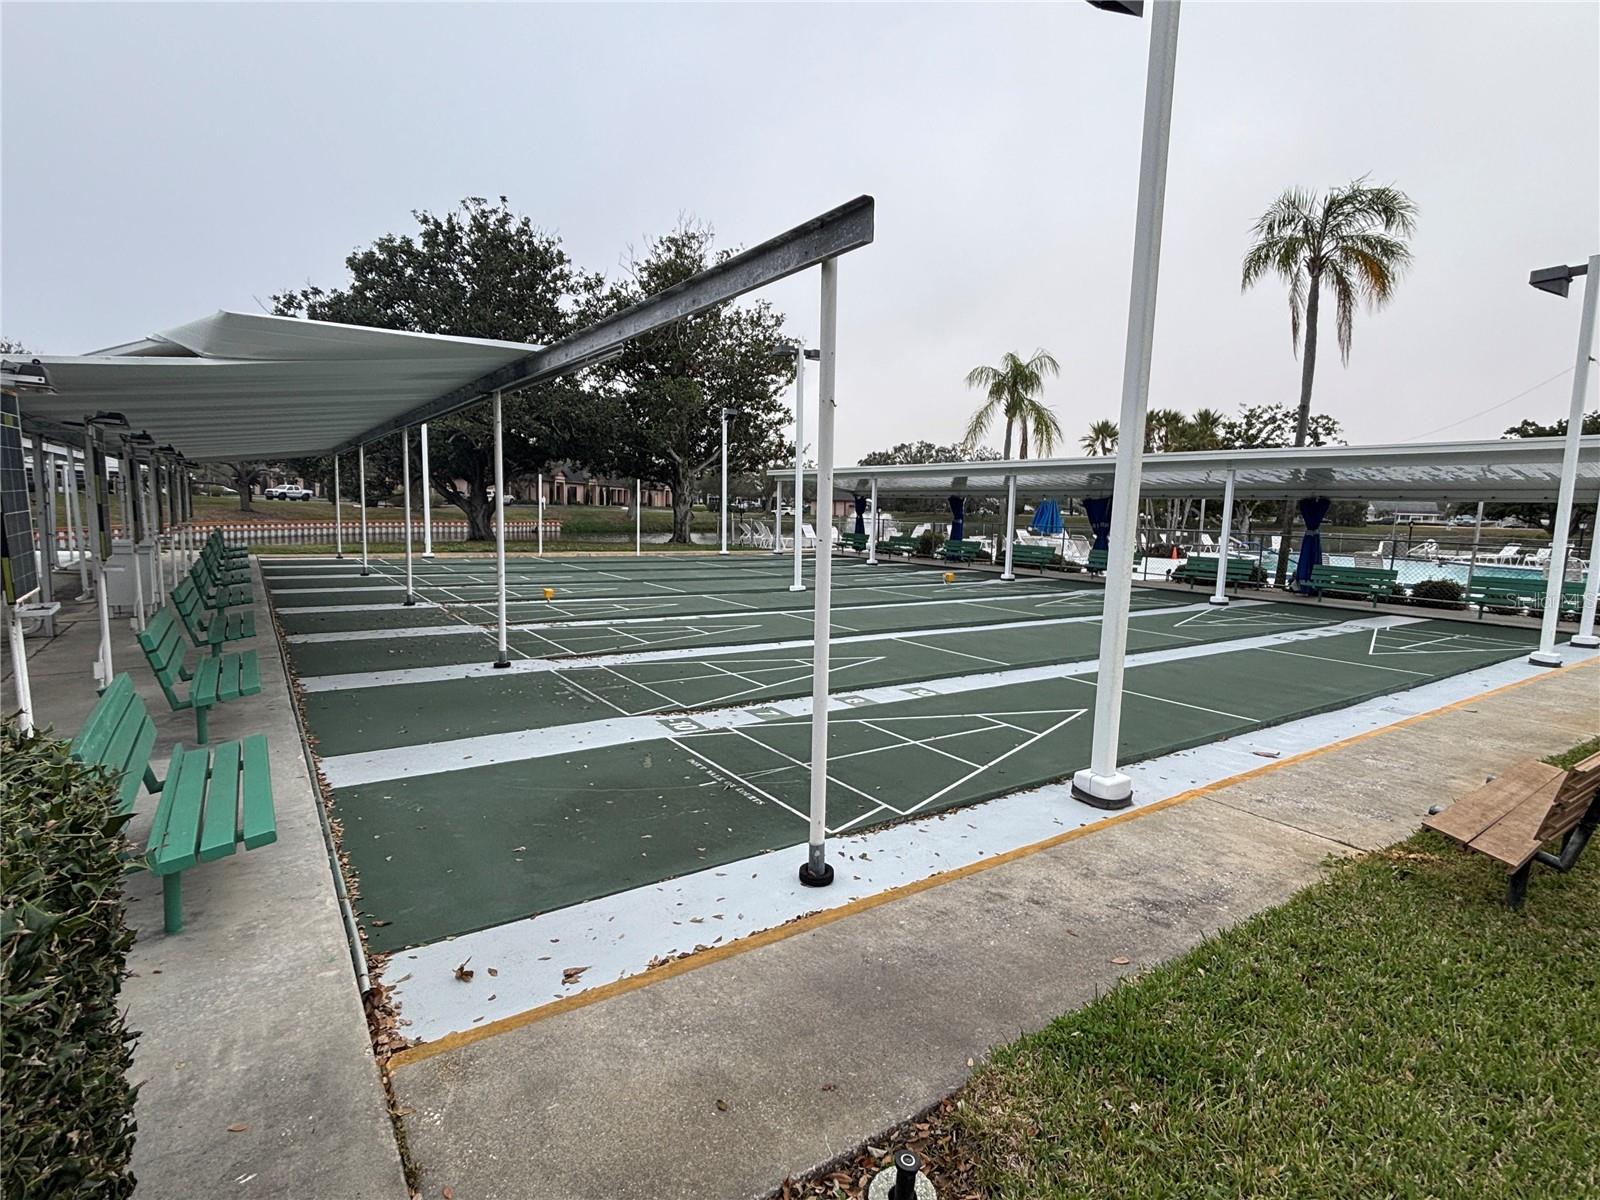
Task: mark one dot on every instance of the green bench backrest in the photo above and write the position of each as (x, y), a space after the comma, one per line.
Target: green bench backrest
(119, 736)
(1354, 574)
(1097, 558)
(186, 600)
(164, 649)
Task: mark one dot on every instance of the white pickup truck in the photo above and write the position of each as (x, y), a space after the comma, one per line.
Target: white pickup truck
(288, 491)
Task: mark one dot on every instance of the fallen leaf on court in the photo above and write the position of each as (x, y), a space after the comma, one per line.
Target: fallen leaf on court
(449, 1193)
(518, 849)
(381, 924)
(463, 974)
(1121, 961)
(571, 974)
(1267, 753)
(237, 1128)
(722, 1106)
(494, 971)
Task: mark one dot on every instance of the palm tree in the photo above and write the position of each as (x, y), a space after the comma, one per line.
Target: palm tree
(1012, 390)
(1101, 438)
(1351, 240)
(1205, 430)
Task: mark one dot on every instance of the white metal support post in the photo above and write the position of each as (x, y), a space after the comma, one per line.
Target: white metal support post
(638, 517)
(19, 672)
(816, 871)
(405, 483)
(502, 656)
(427, 499)
(1101, 783)
(1591, 589)
(777, 516)
(1546, 655)
(722, 503)
(1477, 541)
(78, 541)
(799, 460)
(43, 474)
(541, 510)
(361, 488)
(98, 525)
(1011, 524)
(872, 538)
(1220, 596)
(338, 513)
(132, 487)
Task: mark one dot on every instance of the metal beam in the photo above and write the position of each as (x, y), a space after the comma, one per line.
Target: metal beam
(848, 227)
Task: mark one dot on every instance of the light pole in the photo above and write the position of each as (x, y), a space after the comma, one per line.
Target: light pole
(800, 353)
(728, 410)
(1557, 280)
(1101, 784)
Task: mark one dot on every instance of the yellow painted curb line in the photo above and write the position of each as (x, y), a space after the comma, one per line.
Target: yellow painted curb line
(817, 920)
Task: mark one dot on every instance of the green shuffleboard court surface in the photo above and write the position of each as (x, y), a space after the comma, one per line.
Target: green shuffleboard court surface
(625, 747)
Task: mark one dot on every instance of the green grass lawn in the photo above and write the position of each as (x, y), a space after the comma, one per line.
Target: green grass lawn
(1393, 1030)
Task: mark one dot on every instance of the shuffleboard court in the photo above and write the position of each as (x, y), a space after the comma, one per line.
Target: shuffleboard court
(636, 739)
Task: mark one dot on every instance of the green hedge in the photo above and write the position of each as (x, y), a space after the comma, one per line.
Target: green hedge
(65, 1050)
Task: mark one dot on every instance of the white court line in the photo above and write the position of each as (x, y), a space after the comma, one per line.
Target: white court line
(521, 745)
(410, 675)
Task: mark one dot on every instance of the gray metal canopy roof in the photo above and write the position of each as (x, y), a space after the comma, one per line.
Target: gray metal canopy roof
(248, 385)
(1517, 469)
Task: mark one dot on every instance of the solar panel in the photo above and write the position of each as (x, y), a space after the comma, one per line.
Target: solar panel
(18, 564)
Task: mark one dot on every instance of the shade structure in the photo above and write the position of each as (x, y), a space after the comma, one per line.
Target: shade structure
(252, 386)
(1509, 470)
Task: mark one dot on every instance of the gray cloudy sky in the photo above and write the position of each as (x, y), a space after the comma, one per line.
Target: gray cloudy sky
(164, 161)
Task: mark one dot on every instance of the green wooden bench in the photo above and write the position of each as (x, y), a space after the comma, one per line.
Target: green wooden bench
(216, 594)
(960, 551)
(214, 541)
(1199, 569)
(210, 802)
(899, 544)
(1516, 596)
(207, 626)
(1025, 555)
(853, 541)
(213, 680)
(1096, 563)
(224, 569)
(1375, 583)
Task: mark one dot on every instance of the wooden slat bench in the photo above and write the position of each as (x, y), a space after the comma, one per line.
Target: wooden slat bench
(1200, 569)
(207, 626)
(214, 680)
(223, 569)
(1512, 816)
(853, 541)
(1024, 555)
(215, 593)
(961, 551)
(216, 541)
(899, 544)
(1375, 583)
(210, 802)
(1096, 564)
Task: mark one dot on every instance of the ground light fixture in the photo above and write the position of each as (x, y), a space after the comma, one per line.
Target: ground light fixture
(1558, 281)
(728, 410)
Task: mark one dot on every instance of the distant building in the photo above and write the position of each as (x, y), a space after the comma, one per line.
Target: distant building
(1384, 512)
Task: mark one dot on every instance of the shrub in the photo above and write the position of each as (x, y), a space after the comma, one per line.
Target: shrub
(1437, 593)
(928, 543)
(65, 1050)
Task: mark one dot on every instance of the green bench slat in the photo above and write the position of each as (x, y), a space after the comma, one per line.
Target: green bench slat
(128, 751)
(220, 829)
(92, 739)
(249, 674)
(172, 840)
(203, 691)
(258, 825)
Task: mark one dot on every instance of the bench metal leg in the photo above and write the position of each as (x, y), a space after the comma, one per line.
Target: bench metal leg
(172, 901)
(1517, 891)
(201, 732)
(150, 780)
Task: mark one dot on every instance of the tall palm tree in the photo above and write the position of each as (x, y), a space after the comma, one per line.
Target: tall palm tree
(1101, 438)
(1353, 242)
(1205, 430)
(1012, 390)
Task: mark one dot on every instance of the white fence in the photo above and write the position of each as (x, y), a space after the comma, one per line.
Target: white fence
(321, 533)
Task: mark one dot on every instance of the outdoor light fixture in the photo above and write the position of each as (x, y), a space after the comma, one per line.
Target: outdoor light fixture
(1128, 8)
(1556, 280)
(25, 376)
(109, 420)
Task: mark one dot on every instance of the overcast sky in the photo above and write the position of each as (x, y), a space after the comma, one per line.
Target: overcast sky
(161, 162)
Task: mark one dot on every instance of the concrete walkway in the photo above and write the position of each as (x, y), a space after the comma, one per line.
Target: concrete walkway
(251, 1015)
(721, 1080)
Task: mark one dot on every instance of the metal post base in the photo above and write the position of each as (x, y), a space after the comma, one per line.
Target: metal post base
(1004, 578)
(1545, 658)
(797, 587)
(1588, 643)
(501, 662)
(1102, 791)
(1217, 600)
(814, 878)
(410, 601)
